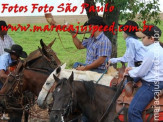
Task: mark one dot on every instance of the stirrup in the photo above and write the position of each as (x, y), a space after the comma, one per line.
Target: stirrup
(4, 117)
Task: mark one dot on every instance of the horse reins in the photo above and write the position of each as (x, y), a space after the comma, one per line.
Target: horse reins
(119, 90)
(63, 45)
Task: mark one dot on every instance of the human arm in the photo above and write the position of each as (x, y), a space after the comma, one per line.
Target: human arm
(77, 42)
(3, 75)
(144, 68)
(128, 57)
(93, 65)
(10, 40)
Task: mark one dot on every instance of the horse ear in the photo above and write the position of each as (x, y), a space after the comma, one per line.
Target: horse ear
(71, 78)
(40, 49)
(56, 78)
(42, 43)
(51, 43)
(58, 70)
(63, 66)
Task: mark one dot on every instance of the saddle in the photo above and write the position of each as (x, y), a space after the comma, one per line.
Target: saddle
(126, 97)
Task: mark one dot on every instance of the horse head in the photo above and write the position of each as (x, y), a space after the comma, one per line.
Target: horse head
(64, 99)
(49, 53)
(45, 95)
(38, 63)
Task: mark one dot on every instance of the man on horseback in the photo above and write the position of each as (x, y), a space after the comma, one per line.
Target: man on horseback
(98, 47)
(5, 40)
(150, 71)
(8, 59)
(135, 50)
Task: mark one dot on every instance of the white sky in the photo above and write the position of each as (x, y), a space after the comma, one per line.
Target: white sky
(54, 3)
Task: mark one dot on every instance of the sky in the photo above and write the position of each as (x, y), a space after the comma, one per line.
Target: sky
(54, 3)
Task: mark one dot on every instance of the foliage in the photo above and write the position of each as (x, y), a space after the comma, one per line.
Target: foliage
(145, 9)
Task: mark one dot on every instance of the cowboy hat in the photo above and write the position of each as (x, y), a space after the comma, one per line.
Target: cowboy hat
(16, 49)
(95, 20)
(130, 28)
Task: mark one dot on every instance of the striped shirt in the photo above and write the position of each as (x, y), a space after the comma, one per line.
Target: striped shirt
(97, 47)
(6, 43)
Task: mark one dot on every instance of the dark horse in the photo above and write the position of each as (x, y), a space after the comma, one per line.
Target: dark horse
(29, 76)
(96, 102)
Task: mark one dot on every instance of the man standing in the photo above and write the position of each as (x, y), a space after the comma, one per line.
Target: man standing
(98, 47)
(5, 40)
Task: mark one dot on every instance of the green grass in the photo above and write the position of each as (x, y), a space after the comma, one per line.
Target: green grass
(31, 40)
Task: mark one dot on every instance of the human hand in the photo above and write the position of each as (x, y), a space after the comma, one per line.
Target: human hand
(82, 68)
(127, 70)
(108, 64)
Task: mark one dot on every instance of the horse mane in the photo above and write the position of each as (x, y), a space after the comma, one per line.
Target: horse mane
(62, 81)
(90, 89)
(33, 55)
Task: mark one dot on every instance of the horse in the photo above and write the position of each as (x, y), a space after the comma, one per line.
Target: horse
(30, 75)
(45, 95)
(95, 101)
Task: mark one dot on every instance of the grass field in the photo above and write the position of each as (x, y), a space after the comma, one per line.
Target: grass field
(31, 40)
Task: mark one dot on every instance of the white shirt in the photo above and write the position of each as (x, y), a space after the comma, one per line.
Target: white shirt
(135, 51)
(151, 69)
(6, 43)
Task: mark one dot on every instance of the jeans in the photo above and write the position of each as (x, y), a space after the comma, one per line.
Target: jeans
(135, 81)
(76, 64)
(142, 98)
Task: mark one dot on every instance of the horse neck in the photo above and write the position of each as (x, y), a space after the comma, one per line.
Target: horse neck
(41, 63)
(33, 81)
(102, 99)
(35, 75)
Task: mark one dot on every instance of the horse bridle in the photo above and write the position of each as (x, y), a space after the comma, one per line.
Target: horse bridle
(67, 110)
(52, 61)
(17, 78)
(14, 88)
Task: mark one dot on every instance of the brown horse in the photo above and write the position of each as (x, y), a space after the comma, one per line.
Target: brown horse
(95, 101)
(30, 75)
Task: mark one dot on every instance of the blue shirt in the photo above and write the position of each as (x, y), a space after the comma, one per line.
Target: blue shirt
(151, 69)
(5, 61)
(97, 47)
(135, 51)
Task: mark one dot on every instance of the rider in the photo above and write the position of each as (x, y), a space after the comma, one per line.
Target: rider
(98, 47)
(150, 71)
(5, 40)
(9, 59)
(135, 50)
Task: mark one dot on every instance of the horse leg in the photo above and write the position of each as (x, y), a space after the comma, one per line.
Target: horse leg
(26, 115)
(16, 116)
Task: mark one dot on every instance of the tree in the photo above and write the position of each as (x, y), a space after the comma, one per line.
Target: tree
(125, 10)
